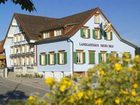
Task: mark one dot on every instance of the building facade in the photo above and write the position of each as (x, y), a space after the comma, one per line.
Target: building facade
(19, 48)
(82, 41)
(60, 47)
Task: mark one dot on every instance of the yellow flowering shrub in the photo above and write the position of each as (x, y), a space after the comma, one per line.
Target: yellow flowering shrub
(116, 82)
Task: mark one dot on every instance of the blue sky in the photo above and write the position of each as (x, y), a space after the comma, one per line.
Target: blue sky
(123, 14)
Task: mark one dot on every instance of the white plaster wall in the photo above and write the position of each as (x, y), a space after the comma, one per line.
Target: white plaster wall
(119, 46)
(56, 46)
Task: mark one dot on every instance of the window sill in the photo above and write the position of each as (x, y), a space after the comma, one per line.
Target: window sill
(79, 63)
(62, 64)
(96, 23)
(91, 63)
(86, 38)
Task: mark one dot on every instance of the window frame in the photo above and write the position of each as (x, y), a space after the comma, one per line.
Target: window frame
(58, 31)
(85, 32)
(43, 62)
(60, 53)
(81, 56)
(109, 34)
(97, 34)
(97, 19)
(46, 35)
(50, 58)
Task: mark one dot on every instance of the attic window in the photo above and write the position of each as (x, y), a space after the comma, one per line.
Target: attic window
(97, 19)
(46, 35)
(58, 32)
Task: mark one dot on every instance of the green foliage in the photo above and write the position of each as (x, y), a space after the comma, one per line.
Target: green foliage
(114, 83)
(25, 4)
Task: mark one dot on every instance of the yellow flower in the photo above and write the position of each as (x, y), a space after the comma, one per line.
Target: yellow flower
(65, 83)
(50, 81)
(31, 98)
(133, 93)
(62, 88)
(118, 67)
(98, 101)
(102, 73)
(71, 99)
(135, 85)
(80, 95)
(117, 100)
(138, 100)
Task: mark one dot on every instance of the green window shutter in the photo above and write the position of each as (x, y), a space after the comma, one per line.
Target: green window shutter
(94, 33)
(58, 58)
(84, 57)
(65, 58)
(40, 59)
(48, 58)
(82, 33)
(91, 57)
(88, 33)
(100, 58)
(55, 59)
(100, 34)
(107, 57)
(75, 57)
(111, 35)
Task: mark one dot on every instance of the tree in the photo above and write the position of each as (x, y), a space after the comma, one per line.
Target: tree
(25, 4)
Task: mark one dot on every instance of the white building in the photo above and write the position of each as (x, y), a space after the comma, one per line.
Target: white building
(60, 47)
(19, 43)
(76, 43)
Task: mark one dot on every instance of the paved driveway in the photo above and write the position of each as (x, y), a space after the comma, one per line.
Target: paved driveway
(17, 90)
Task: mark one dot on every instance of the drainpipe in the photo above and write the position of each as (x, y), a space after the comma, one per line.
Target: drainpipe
(69, 40)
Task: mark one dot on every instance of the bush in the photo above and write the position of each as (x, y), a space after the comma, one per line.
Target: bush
(114, 83)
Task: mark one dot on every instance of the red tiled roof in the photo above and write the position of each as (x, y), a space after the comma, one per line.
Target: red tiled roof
(33, 26)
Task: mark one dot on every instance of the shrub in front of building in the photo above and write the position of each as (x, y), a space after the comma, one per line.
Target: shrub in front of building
(114, 83)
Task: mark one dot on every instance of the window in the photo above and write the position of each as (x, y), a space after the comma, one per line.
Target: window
(23, 49)
(27, 48)
(62, 57)
(32, 60)
(97, 19)
(91, 57)
(14, 39)
(103, 57)
(27, 61)
(23, 61)
(109, 35)
(57, 32)
(79, 57)
(114, 54)
(46, 35)
(52, 58)
(21, 37)
(43, 59)
(97, 33)
(126, 55)
(85, 32)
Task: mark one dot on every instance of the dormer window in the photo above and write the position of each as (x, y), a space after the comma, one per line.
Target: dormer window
(97, 19)
(57, 32)
(46, 35)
